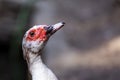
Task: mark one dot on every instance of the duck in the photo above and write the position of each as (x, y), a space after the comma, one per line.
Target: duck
(33, 43)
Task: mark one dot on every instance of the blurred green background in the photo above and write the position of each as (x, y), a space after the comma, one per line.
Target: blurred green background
(86, 48)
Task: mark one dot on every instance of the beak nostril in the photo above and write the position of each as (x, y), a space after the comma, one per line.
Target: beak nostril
(48, 29)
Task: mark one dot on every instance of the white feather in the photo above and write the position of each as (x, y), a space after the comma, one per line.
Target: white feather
(39, 71)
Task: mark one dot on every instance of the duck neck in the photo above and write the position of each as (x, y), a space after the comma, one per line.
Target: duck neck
(33, 59)
(38, 69)
(35, 66)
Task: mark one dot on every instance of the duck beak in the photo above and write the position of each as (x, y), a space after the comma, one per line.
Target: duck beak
(57, 26)
(53, 28)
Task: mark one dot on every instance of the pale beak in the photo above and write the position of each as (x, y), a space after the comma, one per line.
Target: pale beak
(53, 28)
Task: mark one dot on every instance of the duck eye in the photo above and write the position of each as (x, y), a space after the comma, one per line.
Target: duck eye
(32, 33)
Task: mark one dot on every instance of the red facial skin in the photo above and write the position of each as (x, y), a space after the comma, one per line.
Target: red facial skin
(35, 34)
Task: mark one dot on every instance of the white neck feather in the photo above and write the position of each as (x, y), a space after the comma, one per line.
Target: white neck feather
(39, 70)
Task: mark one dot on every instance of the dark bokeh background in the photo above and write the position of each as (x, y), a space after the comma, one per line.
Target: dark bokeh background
(87, 48)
